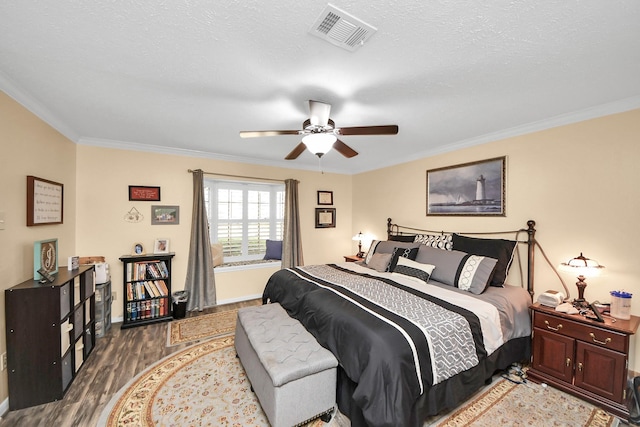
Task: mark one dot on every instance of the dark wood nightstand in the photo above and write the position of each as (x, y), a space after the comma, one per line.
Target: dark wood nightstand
(352, 258)
(583, 357)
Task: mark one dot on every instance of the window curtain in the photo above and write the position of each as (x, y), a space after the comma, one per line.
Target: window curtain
(291, 240)
(200, 283)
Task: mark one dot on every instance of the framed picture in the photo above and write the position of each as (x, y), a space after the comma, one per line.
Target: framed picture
(165, 215)
(44, 201)
(138, 249)
(325, 197)
(144, 194)
(45, 256)
(471, 189)
(325, 217)
(161, 246)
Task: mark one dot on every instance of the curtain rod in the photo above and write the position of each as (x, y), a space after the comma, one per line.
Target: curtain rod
(238, 176)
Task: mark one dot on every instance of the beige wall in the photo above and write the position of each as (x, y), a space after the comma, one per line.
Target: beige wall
(30, 147)
(104, 175)
(578, 182)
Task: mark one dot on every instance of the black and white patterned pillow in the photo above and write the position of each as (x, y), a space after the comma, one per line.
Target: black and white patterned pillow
(401, 252)
(413, 269)
(474, 273)
(440, 241)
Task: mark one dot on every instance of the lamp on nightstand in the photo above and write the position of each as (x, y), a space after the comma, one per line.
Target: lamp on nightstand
(584, 267)
(359, 237)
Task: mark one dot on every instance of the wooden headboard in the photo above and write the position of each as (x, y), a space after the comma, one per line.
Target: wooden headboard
(530, 241)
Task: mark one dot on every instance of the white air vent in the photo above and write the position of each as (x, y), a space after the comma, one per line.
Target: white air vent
(341, 29)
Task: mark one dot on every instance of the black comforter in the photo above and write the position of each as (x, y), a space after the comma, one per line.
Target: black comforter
(382, 350)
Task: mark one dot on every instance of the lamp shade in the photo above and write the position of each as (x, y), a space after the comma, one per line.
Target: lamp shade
(358, 236)
(319, 143)
(583, 266)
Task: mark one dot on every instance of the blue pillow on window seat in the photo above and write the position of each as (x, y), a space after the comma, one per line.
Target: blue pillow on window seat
(274, 249)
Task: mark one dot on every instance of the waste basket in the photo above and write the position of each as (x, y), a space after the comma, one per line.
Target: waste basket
(180, 304)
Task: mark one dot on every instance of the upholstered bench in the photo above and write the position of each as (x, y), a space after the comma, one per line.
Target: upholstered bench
(293, 376)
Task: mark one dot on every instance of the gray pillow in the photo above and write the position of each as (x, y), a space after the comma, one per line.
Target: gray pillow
(379, 262)
(455, 268)
(386, 247)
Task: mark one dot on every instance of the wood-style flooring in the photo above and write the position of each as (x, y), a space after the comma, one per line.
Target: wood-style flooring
(116, 358)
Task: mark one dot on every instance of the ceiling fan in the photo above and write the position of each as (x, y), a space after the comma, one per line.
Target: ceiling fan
(321, 135)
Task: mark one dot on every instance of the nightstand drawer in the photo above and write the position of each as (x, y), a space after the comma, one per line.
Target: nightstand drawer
(581, 331)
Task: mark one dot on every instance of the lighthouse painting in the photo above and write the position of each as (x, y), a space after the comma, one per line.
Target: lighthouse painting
(472, 189)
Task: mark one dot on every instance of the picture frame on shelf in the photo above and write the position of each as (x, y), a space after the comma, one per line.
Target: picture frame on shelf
(45, 257)
(161, 246)
(144, 193)
(468, 189)
(325, 217)
(165, 215)
(325, 197)
(137, 249)
(45, 201)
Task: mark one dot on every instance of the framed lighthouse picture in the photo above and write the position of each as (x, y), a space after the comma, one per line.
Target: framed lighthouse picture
(468, 189)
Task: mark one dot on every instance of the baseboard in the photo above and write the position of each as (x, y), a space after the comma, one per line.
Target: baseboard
(239, 299)
(4, 407)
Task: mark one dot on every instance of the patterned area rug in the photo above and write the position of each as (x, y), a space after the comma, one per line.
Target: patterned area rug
(203, 385)
(529, 404)
(200, 327)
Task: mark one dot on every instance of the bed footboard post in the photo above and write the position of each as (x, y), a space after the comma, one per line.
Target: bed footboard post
(531, 246)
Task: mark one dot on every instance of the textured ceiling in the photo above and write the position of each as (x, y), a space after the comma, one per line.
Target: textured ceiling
(187, 76)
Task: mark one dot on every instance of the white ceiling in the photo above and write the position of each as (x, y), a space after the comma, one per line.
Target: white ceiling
(186, 76)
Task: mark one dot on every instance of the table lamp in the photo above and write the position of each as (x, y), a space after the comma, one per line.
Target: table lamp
(359, 237)
(584, 267)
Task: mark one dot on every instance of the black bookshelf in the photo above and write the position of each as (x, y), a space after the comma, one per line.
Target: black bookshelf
(146, 289)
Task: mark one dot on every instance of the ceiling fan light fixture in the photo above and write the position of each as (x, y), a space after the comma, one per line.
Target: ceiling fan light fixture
(319, 143)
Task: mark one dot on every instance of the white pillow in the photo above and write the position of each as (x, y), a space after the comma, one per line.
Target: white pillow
(414, 270)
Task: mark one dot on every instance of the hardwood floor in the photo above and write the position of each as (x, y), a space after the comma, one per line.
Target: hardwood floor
(117, 357)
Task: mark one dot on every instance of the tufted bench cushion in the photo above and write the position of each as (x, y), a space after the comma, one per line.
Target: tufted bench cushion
(293, 376)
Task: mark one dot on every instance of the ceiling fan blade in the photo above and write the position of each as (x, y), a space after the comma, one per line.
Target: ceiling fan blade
(296, 151)
(344, 149)
(257, 133)
(369, 130)
(319, 113)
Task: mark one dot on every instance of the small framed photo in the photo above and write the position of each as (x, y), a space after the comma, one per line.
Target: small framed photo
(167, 215)
(161, 246)
(45, 257)
(138, 249)
(141, 193)
(325, 217)
(325, 197)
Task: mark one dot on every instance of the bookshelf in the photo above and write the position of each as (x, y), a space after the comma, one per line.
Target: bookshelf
(146, 289)
(50, 330)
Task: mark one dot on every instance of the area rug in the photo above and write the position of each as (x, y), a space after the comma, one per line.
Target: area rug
(529, 404)
(201, 327)
(205, 385)
(202, 385)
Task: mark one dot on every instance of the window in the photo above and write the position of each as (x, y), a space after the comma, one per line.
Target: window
(243, 215)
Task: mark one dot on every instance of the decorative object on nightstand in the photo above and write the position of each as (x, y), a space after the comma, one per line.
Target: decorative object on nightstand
(359, 237)
(584, 267)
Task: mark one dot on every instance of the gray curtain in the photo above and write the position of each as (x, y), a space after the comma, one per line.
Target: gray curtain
(292, 241)
(200, 283)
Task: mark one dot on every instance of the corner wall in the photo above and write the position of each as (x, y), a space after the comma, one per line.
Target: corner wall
(578, 182)
(30, 147)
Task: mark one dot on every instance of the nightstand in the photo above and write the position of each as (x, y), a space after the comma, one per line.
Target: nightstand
(583, 357)
(352, 258)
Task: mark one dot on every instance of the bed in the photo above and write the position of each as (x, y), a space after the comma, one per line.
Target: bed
(419, 324)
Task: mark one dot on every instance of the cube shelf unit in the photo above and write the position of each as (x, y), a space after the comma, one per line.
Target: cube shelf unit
(146, 289)
(50, 329)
